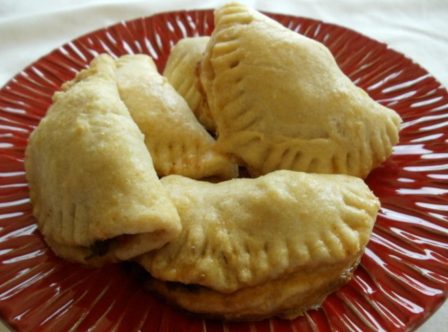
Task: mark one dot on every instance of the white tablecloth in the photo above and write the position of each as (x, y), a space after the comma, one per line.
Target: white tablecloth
(417, 28)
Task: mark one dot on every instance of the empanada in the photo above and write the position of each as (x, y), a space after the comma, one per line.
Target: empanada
(245, 236)
(181, 70)
(95, 193)
(280, 101)
(177, 141)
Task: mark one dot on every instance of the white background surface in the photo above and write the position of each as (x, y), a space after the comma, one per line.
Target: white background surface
(417, 28)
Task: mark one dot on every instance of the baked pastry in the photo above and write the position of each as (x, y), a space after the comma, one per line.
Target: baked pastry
(176, 140)
(181, 70)
(253, 248)
(279, 101)
(95, 193)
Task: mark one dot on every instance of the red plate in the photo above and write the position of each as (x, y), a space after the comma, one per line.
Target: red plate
(403, 276)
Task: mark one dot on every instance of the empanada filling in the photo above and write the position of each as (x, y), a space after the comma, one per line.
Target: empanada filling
(100, 248)
(130, 245)
(192, 288)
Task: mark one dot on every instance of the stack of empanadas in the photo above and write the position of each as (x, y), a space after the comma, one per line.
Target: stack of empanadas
(127, 164)
(92, 179)
(253, 248)
(93, 187)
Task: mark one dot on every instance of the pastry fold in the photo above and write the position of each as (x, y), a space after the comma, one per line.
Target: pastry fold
(287, 297)
(94, 190)
(280, 101)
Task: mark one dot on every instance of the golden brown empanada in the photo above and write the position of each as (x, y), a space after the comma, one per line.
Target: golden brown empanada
(280, 101)
(181, 70)
(245, 236)
(177, 141)
(93, 187)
